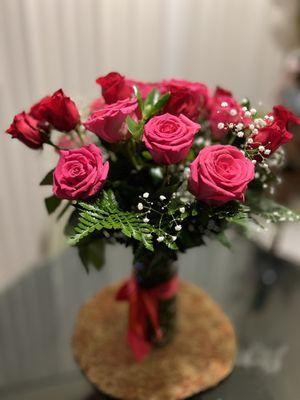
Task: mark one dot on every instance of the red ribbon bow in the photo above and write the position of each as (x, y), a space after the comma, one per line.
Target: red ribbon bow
(143, 307)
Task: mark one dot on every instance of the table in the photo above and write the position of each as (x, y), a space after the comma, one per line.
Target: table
(258, 291)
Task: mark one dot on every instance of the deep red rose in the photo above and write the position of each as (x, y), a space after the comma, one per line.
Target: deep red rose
(26, 128)
(285, 115)
(59, 110)
(114, 87)
(276, 131)
(169, 138)
(224, 110)
(80, 173)
(37, 110)
(187, 98)
(220, 173)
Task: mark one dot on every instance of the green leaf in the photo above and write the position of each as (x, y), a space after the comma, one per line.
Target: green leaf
(48, 179)
(146, 155)
(135, 128)
(105, 213)
(162, 101)
(92, 254)
(139, 98)
(151, 98)
(132, 125)
(52, 203)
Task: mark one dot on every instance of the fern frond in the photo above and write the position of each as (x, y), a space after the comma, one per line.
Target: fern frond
(106, 214)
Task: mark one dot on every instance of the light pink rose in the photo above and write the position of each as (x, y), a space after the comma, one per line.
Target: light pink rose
(169, 138)
(80, 173)
(109, 123)
(220, 173)
(224, 110)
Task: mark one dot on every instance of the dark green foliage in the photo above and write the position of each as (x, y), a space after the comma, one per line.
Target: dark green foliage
(48, 179)
(52, 203)
(92, 254)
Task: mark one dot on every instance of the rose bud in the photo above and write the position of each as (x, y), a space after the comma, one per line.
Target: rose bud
(169, 138)
(225, 110)
(37, 111)
(275, 133)
(219, 174)
(80, 173)
(109, 123)
(187, 98)
(60, 111)
(114, 87)
(26, 128)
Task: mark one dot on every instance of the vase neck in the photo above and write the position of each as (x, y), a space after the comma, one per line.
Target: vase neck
(149, 274)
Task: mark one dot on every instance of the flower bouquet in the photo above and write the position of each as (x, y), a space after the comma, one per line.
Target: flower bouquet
(158, 167)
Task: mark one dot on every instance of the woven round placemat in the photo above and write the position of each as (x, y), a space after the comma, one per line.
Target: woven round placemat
(200, 356)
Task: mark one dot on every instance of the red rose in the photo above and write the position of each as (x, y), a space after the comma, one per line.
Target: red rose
(275, 133)
(26, 129)
(187, 98)
(80, 173)
(169, 138)
(109, 123)
(220, 174)
(224, 110)
(114, 87)
(285, 115)
(37, 110)
(59, 110)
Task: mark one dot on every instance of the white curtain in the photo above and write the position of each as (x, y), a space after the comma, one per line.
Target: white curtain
(48, 44)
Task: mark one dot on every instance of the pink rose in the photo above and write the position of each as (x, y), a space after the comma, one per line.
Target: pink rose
(80, 173)
(169, 138)
(109, 123)
(187, 98)
(219, 174)
(59, 110)
(224, 110)
(275, 133)
(27, 129)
